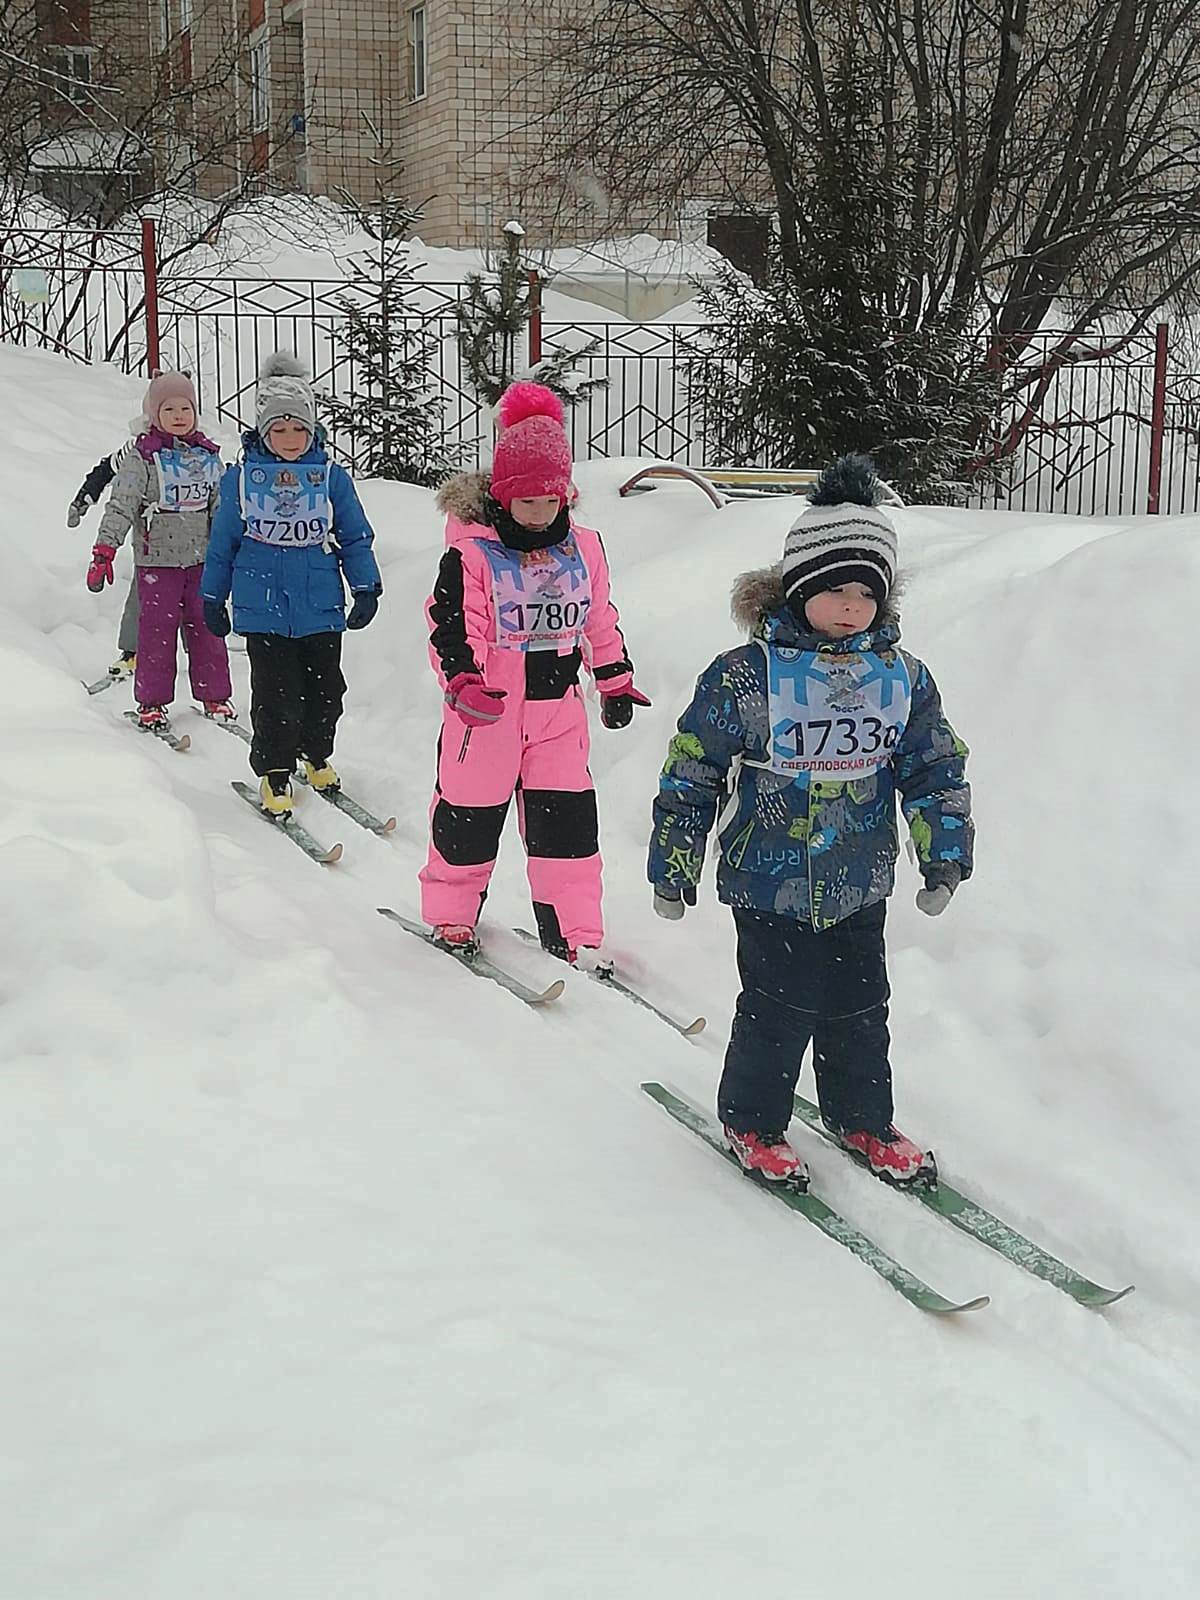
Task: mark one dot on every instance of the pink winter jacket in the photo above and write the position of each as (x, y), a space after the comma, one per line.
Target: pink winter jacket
(462, 612)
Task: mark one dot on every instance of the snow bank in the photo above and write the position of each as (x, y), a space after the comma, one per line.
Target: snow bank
(329, 1269)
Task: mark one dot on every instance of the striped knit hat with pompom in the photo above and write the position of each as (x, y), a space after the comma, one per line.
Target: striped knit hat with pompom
(532, 455)
(843, 537)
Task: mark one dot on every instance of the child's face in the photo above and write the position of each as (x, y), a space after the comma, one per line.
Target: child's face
(177, 417)
(537, 513)
(837, 613)
(288, 438)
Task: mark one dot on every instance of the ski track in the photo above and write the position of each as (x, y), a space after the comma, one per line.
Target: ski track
(330, 1269)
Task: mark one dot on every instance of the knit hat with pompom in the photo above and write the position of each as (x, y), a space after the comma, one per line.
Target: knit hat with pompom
(283, 391)
(843, 537)
(532, 455)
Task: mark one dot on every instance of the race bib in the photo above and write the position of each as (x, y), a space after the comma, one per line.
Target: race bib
(541, 597)
(837, 716)
(286, 503)
(187, 477)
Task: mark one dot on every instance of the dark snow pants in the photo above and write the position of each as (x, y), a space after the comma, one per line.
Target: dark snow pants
(296, 692)
(829, 987)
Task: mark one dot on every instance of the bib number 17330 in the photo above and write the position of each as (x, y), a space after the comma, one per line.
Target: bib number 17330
(842, 736)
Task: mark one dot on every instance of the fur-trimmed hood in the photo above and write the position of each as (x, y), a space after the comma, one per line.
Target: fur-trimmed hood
(463, 496)
(757, 595)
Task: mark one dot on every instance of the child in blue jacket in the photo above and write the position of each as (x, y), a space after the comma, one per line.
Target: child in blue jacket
(287, 530)
(822, 720)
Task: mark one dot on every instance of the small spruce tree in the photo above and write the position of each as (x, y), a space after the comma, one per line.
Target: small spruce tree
(493, 319)
(392, 415)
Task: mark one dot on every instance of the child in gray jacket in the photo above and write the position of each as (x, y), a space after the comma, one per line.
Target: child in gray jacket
(164, 493)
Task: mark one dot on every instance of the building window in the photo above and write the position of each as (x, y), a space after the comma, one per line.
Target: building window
(260, 86)
(418, 35)
(164, 22)
(185, 15)
(72, 71)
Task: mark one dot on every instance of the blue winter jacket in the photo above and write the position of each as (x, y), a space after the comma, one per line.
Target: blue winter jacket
(293, 592)
(796, 845)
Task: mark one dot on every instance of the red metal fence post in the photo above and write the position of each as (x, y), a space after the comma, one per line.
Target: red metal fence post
(535, 318)
(150, 292)
(1158, 419)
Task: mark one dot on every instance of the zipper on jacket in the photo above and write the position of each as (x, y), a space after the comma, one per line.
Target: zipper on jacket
(462, 754)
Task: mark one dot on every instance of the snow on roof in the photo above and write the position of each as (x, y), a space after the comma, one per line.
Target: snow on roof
(89, 150)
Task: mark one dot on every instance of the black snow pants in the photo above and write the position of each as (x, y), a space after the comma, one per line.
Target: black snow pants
(296, 692)
(798, 986)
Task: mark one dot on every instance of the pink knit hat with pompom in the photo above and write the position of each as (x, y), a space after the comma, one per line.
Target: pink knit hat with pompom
(532, 455)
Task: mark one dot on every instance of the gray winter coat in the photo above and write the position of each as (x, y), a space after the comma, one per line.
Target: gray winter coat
(161, 538)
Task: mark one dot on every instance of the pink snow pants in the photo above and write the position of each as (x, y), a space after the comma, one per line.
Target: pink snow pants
(169, 600)
(539, 750)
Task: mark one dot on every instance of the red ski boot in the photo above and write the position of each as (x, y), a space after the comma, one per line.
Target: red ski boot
(769, 1157)
(456, 936)
(893, 1158)
(153, 717)
(216, 709)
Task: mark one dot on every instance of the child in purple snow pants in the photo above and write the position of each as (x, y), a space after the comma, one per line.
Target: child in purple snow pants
(164, 493)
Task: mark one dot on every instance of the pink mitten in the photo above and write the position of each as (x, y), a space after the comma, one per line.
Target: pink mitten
(100, 571)
(469, 698)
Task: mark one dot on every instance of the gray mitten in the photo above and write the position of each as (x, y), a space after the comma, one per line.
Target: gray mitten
(941, 880)
(670, 902)
(75, 512)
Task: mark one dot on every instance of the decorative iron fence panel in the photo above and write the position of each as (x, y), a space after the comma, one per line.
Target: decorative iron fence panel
(1076, 432)
(75, 291)
(1111, 429)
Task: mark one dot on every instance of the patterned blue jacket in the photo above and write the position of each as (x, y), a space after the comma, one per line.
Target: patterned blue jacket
(291, 592)
(797, 844)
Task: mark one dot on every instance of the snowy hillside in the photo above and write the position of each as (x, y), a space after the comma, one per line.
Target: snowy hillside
(330, 1270)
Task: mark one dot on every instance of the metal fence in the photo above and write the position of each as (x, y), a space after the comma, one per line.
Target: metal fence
(1109, 425)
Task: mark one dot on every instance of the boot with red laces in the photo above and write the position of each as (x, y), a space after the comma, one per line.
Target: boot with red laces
(152, 717)
(456, 936)
(768, 1157)
(219, 708)
(893, 1158)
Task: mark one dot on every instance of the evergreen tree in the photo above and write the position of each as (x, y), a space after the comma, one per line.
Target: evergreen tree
(833, 353)
(493, 322)
(392, 415)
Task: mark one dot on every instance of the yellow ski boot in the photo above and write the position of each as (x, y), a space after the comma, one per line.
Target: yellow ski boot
(321, 775)
(124, 666)
(275, 792)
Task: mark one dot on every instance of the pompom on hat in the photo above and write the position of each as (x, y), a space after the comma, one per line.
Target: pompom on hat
(533, 454)
(843, 536)
(283, 391)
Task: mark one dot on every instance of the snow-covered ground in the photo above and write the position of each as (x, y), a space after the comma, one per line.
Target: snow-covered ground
(330, 1270)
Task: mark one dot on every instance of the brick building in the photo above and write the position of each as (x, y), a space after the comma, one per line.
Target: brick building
(220, 95)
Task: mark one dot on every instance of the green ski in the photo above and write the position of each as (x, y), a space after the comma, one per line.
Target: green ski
(822, 1216)
(970, 1217)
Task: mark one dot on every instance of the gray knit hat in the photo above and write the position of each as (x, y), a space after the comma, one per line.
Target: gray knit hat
(843, 537)
(283, 391)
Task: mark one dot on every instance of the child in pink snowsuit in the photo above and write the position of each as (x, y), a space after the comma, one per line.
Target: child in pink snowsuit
(521, 600)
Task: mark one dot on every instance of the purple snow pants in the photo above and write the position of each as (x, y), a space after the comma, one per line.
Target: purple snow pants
(169, 600)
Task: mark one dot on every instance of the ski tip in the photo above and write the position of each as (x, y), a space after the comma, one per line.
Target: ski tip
(694, 1028)
(1099, 1298)
(552, 993)
(978, 1304)
(334, 853)
(183, 742)
(389, 825)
